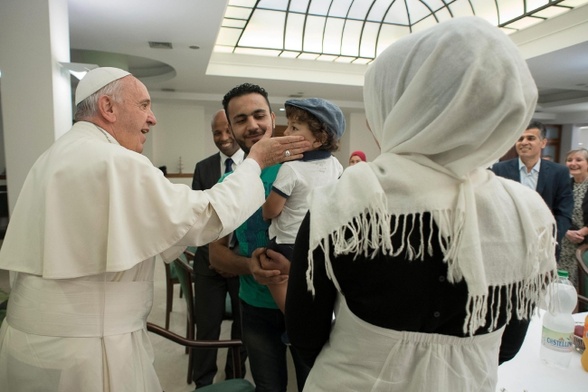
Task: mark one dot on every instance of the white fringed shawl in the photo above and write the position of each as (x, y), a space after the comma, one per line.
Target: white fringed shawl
(443, 106)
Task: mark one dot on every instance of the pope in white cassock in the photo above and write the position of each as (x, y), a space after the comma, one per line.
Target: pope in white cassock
(92, 215)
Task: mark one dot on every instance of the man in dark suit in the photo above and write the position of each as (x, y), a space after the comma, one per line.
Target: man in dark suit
(211, 287)
(550, 179)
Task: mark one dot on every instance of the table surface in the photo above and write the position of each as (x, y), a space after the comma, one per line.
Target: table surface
(527, 373)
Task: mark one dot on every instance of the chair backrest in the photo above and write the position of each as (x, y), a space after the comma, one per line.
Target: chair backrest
(184, 275)
(582, 259)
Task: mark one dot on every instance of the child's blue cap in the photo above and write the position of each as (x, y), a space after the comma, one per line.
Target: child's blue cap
(324, 111)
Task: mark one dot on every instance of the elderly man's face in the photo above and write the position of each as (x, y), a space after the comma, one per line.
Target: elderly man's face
(133, 115)
(249, 117)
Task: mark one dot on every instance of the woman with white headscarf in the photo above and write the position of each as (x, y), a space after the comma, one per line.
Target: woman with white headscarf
(431, 264)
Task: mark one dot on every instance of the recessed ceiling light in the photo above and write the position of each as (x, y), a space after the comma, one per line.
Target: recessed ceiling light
(160, 45)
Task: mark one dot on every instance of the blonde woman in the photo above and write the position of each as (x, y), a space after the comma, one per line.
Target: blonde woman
(577, 163)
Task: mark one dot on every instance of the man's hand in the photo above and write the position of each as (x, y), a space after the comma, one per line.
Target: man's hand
(269, 151)
(261, 275)
(275, 261)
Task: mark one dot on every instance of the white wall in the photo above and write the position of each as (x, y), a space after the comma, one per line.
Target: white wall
(361, 137)
(179, 133)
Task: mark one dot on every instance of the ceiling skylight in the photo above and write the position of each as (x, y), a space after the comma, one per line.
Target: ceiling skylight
(355, 31)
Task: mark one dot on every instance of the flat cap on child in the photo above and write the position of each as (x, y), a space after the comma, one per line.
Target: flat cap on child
(324, 111)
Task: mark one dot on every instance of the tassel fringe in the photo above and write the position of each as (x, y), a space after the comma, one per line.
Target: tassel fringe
(352, 239)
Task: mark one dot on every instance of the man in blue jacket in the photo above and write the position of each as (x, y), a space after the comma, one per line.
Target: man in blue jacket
(550, 179)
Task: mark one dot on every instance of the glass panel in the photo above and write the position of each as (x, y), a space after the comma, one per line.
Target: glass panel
(397, 14)
(228, 36)
(333, 33)
(436, 5)
(359, 9)
(338, 8)
(551, 132)
(237, 13)
(509, 10)
(368, 40)
(261, 33)
(534, 4)
(313, 35)
(378, 10)
(443, 15)
(351, 33)
(417, 11)
(237, 23)
(548, 151)
(243, 3)
(486, 9)
(333, 36)
(273, 4)
(461, 8)
(390, 34)
(317, 7)
(294, 29)
(424, 24)
(299, 6)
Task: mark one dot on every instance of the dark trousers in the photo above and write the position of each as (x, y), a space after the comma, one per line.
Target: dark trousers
(262, 334)
(209, 298)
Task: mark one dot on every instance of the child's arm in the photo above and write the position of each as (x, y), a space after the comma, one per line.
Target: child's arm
(278, 291)
(270, 260)
(273, 206)
(272, 272)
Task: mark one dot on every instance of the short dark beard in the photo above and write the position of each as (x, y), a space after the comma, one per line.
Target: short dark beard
(243, 147)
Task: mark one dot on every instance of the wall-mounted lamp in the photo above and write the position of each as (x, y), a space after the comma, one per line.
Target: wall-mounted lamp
(79, 70)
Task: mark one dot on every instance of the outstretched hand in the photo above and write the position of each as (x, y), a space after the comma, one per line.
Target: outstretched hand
(272, 150)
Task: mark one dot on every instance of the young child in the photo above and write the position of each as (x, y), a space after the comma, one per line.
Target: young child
(323, 124)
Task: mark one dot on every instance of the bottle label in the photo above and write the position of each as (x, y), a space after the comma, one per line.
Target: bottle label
(557, 341)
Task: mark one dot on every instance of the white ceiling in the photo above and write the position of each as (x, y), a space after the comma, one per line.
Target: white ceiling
(118, 32)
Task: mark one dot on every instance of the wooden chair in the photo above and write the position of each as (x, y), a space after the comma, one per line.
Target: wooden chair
(582, 258)
(184, 276)
(170, 280)
(238, 384)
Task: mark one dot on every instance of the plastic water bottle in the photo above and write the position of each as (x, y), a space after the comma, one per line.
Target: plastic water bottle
(558, 323)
